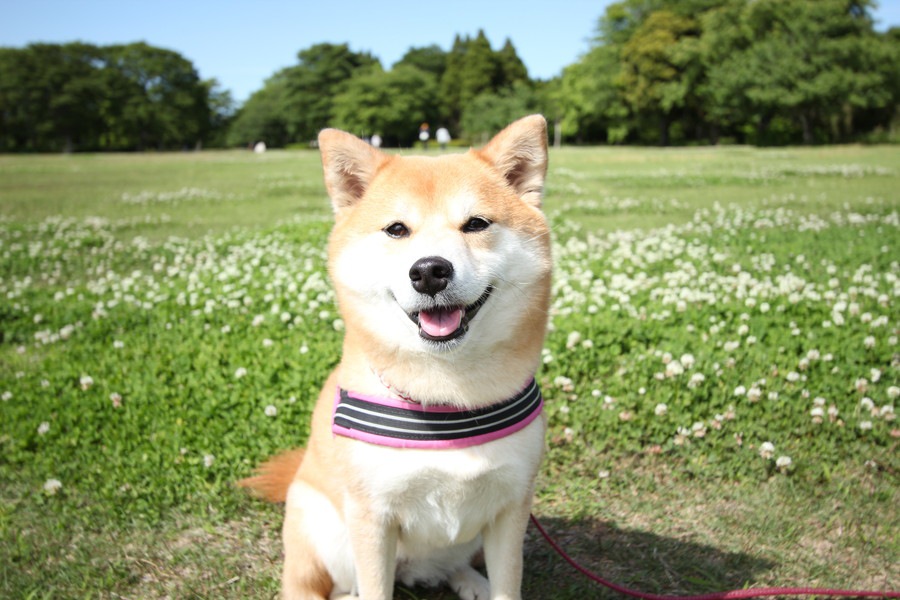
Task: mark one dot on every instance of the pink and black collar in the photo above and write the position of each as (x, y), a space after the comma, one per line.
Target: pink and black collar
(403, 424)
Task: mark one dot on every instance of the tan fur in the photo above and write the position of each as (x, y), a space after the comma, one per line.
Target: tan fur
(274, 477)
(356, 513)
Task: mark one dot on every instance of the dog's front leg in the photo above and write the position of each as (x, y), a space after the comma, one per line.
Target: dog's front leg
(374, 543)
(503, 542)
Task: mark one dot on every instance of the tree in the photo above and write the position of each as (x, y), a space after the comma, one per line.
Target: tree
(431, 59)
(661, 67)
(297, 102)
(510, 68)
(815, 63)
(479, 69)
(490, 111)
(166, 106)
(474, 68)
(391, 104)
(64, 97)
(591, 104)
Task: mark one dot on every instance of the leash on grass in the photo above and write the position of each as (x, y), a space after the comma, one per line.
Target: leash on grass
(730, 595)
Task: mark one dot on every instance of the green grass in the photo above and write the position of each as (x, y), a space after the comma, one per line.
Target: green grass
(190, 289)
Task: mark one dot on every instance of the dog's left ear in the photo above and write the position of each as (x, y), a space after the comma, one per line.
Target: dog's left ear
(350, 165)
(519, 152)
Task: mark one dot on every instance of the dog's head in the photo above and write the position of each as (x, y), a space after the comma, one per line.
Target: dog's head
(439, 254)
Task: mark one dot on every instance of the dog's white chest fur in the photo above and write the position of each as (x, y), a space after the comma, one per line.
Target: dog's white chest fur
(441, 498)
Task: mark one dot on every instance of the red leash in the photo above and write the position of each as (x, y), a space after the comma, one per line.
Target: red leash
(732, 595)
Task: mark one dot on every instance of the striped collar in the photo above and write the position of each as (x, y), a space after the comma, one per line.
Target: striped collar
(404, 424)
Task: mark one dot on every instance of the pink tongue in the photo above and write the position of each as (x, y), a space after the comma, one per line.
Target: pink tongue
(441, 321)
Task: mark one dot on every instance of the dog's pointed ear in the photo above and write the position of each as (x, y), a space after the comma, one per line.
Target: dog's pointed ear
(519, 152)
(350, 165)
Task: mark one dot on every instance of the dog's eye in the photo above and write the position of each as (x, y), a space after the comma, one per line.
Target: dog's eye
(476, 224)
(397, 230)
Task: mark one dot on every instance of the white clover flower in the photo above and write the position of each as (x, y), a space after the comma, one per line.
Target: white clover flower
(740, 391)
(225, 329)
(116, 399)
(772, 396)
(869, 341)
(731, 346)
(564, 383)
(876, 375)
(767, 450)
(862, 385)
(267, 343)
(661, 409)
(43, 428)
(698, 429)
(573, 339)
(687, 361)
(338, 324)
(887, 412)
(271, 410)
(51, 486)
(866, 404)
(86, 382)
(696, 380)
(754, 394)
(674, 369)
(603, 474)
(118, 344)
(893, 392)
(783, 462)
(304, 349)
(258, 320)
(6, 396)
(865, 425)
(208, 460)
(793, 377)
(817, 413)
(240, 372)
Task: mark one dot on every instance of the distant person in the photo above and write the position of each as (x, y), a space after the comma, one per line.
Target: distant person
(259, 147)
(376, 141)
(443, 137)
(424, 134)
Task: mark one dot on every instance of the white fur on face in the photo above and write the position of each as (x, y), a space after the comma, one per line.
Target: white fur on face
(373, 273)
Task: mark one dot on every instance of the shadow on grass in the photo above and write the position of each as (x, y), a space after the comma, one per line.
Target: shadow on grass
(632, 558)
(635, 559)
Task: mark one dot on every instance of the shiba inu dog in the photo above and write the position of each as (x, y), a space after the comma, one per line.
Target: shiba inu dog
(427, 437)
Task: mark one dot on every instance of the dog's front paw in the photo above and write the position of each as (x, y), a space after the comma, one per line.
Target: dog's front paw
(469, 584)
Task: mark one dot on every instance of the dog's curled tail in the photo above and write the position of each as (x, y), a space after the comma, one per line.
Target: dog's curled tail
(273, 478)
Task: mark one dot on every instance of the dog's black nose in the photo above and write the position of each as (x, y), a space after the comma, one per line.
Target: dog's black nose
(430, 275)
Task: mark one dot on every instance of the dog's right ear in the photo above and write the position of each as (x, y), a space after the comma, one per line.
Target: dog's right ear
(349, 164)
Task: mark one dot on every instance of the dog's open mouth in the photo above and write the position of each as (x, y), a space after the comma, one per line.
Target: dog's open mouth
(445, 323)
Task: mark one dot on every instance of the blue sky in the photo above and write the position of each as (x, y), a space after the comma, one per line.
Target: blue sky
(243, 43)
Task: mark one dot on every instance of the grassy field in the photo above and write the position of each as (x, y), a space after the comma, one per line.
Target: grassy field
(720, 375)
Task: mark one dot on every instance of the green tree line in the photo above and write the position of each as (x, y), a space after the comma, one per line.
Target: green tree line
(65, 97)
(657, 72)
(751, 71)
